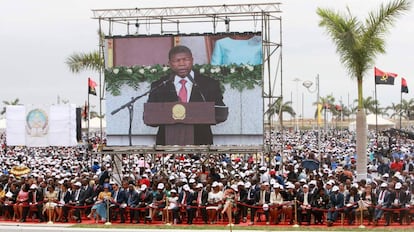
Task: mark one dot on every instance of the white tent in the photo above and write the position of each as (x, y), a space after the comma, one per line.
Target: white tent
(2, 124)
(94, 123)
(372, 123)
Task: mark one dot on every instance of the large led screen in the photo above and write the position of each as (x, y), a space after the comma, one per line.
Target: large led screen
(225, 69)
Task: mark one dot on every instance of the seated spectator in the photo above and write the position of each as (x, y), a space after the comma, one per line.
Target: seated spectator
(145, 198)
(382, 202)
(50, 199)
(63, 199)
(99, 209)
(158, 203)
(351, 204)
(133, 203)
(214, 200)
(276, 203)
(229, 196)
(304, 200)
(320, 202)
(172, 204)
(119, 201)
(22, 201)
(397, 201)
(369, 199)
(261, 199)
(2, 199)
(336, 203)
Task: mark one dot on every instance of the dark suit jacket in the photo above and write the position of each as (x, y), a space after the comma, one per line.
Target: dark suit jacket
(401, 198)
(81, 198)
(336, 200)
(373, 197)
(386, 202)
(243, 195)
(189, 199)
(204, 196)
(145, 198)
(39, 196)
(210, 89)
(89, 194)
(66, 197)
(132, 198)
(356, 199)
(301, 198)
(320, 201)
(121, 197)
(258, 196)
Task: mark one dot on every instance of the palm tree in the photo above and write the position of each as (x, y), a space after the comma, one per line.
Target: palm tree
(358, 43)
(406, 107)
(327, 104)
(345, 110)
(15, 102)
(395, 110)
(93, 61)
(369, 104)
(276, 108)
(78, 62)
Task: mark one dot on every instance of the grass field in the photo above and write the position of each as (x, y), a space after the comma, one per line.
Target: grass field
(248, 228)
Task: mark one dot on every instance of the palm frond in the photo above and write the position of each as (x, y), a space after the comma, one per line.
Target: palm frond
(84, 61)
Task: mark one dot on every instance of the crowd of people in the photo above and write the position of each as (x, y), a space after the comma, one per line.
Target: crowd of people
(74, 183)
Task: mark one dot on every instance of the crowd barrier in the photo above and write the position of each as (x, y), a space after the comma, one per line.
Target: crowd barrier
(360, 209)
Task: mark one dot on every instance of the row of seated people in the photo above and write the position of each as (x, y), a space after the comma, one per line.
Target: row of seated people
(235, 202)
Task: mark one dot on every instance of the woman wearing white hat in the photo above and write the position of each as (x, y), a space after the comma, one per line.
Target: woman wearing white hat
(229, 197)
(214, 200)
(158, 203)
(171, 204)
(50, 198)
(276, 201)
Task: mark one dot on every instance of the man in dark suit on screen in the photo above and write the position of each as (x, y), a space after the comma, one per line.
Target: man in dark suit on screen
(185, 85)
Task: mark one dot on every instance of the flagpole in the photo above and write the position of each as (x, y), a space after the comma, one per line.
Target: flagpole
(376, 115)
(87, 113)
(400, 107)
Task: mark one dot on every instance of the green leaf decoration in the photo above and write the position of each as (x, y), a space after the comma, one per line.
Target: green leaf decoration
(238, 77)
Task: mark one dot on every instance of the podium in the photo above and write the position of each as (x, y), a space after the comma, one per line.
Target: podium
(179, 118)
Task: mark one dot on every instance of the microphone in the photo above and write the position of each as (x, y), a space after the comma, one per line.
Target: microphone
(196, 86)
(169, 79)
(192, 80)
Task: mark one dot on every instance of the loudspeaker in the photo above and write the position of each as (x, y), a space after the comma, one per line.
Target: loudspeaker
(78, 124)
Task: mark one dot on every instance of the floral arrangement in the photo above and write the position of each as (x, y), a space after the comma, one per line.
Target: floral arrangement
(237, 76)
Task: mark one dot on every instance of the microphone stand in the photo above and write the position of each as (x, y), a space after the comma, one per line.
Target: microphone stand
(130, 105)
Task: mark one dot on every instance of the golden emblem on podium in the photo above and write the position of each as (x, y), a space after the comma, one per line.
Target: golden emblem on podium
(178, 112)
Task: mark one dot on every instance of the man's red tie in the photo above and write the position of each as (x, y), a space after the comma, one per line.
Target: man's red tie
(182, 94)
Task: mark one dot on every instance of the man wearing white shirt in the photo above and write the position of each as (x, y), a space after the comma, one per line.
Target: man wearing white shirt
(383, 202)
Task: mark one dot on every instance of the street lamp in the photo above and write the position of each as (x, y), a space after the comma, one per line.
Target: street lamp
(297, 103)
(308, 84)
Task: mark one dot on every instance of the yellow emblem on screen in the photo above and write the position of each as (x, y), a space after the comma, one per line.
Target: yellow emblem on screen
(178, 112)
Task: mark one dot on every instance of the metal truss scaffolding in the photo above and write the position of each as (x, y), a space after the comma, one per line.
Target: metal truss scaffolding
(264, 17)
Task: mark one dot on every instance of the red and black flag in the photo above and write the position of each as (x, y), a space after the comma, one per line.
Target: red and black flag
(91, 87)
(404, 87)
(384, 78)
(338, 107)
(85, 111)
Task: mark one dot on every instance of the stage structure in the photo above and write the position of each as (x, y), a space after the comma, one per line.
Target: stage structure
(262, 19)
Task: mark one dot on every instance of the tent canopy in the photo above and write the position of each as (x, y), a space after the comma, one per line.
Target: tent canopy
(373, 122)
(94, 123)
(3, 123)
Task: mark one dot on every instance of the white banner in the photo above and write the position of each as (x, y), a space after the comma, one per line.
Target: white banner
(37, 126)
(40, 126)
